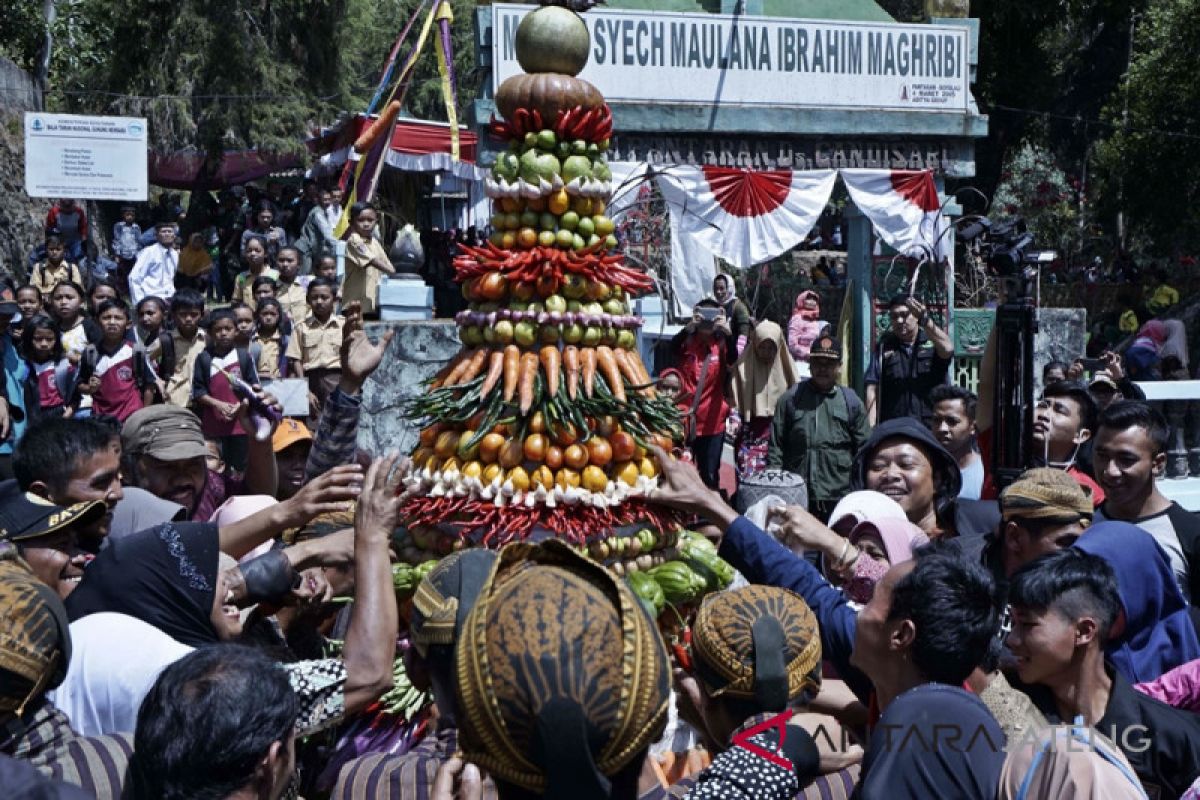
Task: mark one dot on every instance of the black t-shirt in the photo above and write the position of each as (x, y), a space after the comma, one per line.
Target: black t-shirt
(905, 375)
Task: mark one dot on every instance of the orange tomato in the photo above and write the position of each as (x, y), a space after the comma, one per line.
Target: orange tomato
(511, 454)
(489, 447)
(623, 446)
(566, 478)
(594, 479)
(575, 457)
(493, 286)
(627, 472)
(565, 435)
(519, 478)
(447, 443)
(535, 447)
(543, 476)
(537, 423)
(599, 451)
(554, 457)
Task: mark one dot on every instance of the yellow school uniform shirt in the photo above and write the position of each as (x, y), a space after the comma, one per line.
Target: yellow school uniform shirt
(291, 297)
(315, 344)
(362, 281)
(179, 384)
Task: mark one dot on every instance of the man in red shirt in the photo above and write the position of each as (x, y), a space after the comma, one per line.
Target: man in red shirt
(704, 351)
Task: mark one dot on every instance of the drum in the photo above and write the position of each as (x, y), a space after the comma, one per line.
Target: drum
(786, 485)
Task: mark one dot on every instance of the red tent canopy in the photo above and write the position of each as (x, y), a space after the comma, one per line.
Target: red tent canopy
(411, 137)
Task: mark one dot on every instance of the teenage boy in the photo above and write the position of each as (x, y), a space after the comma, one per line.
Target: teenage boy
(314, 350)
(114, 385)
(288, 291)
(953, 424)
(1062, 421)
(55, 269)
(1130, 454)
(1065, 605)
(187, 340)
(153, 274)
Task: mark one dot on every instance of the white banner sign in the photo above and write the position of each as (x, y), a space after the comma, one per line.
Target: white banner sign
(85, 158)
(710, 59)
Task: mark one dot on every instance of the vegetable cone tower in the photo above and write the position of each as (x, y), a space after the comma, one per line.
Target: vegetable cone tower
(540, 426)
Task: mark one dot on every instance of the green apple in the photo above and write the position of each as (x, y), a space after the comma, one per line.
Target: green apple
(585, 226)
(609, 336)
(528, 219)
(549, 333)
(613, 306)
(564, 238)
(546, 139)
(579, 147)
(536, 307)
(626, 339)
(604, 225)
(471, 335)
(531, 139)
(524, 333)
(574, 286)
(556, 302)
(547, 221)
(512, 221)
(593, 308)
(574, 306)
(594, 240)
(489, 334)
(592, 336)
(504, 331)
(578, 243)
(569, 220)
(572, 334)
(547, 239)
(610, 241)
(618, 292)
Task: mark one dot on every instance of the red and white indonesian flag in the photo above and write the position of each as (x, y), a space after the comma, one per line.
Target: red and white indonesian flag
(745, 216)
(905, 209)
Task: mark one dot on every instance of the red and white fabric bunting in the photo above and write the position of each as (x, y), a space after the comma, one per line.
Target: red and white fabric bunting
(745, 216)
(904, 207)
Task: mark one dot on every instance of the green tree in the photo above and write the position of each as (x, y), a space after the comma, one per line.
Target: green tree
(1147, 166)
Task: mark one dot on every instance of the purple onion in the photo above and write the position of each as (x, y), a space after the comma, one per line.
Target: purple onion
(555, 317)
(504, 313)
(491, 318)
(543, 317)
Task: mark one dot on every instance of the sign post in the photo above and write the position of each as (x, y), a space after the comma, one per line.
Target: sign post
(86, 158)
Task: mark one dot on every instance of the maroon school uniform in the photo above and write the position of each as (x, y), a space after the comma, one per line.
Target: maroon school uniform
(219, 388)
(119, 395)
(47, 386)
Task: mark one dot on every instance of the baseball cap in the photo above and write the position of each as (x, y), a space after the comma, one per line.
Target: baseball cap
(24, 515)
(826, 347)
(288, 433)
(1103, 379)
(165, 432)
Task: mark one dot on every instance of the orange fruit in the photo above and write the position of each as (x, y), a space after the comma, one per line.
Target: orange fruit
(599, 451)
(554, 457)
(566, 478)
(559, 202)
(527, 237)
(543, 476)
(627, 472)
(519, 478)
(623, 446)
(512, 454)
(594, 479)
(535, 447)
(575, 457)
(447, 443)
(489, 447)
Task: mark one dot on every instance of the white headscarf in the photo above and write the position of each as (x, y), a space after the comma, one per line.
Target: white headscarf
(1176, 342)
(115, 660)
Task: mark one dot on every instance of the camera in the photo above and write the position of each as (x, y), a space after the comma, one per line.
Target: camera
(708, 314)
(1005, 247)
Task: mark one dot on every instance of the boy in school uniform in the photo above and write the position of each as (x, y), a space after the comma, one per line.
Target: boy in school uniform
(187, 342)
(314, 350)
(115, 387)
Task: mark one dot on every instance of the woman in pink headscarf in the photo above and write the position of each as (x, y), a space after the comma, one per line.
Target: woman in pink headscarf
(805, 325)
(1142, 356)
(880, 545)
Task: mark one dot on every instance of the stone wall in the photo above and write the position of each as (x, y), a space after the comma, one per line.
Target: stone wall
(21, 217)
(417, 351)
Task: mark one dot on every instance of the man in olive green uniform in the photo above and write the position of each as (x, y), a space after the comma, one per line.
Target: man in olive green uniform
(818, 428)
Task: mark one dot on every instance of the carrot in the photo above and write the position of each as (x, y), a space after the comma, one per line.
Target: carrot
(529, 370)
(552, 366)
(512, 371)
(440, 378)
(570, 359)
(495, 370)
(456, 373)
(612, 373)
(627, 369)
(474, 366)
(378, 127)
(588, 355)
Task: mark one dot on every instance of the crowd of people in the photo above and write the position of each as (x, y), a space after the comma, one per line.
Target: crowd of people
(199, 591)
